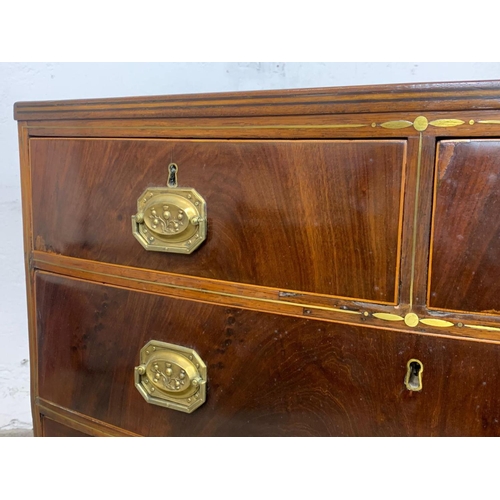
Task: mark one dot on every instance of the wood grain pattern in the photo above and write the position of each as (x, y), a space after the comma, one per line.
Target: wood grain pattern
(465, 266)
(264, 299)
(317, 205)
(420, 225)
(51, 428)
(360, 99)
(78, 421)
(26, 202)
(268, 375)
(353, 126)
(321, 217)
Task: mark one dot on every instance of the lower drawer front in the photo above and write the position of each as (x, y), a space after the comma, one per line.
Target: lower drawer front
(267, 374)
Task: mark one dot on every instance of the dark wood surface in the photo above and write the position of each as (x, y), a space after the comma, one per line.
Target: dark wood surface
(268, 375)
(325, 192)
(26, 189)
(268, 299)
(321, 217)
(56, 429)
(278, 127)
(466, 234)
(335, 100)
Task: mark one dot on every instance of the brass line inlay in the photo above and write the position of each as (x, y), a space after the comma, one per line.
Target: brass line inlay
(420, 124)
(410, 319)
(480, 327)
(415, 220)
(40, 256)
(213, 127)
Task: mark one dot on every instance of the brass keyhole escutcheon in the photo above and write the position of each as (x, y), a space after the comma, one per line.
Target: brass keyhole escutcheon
(171, 376)
(170, 219)
(413, 379)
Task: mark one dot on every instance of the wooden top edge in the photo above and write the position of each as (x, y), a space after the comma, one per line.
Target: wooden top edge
(434, 96)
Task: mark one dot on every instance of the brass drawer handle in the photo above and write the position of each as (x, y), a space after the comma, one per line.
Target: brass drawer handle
(171, 376)
(170, 219)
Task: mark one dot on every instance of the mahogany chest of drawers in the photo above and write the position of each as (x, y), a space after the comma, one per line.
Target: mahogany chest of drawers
(319, 262)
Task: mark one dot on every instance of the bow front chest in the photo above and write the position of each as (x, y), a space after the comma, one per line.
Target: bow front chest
(319, 262)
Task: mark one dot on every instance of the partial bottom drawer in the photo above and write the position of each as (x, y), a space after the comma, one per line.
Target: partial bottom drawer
(51, 428)
(267, 374)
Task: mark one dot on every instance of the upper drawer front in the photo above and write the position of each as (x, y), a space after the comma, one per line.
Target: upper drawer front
(266, 374)
(465, 254)
(314, 216)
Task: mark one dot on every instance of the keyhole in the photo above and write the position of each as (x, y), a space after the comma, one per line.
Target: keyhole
(413, 379)
(172, 175)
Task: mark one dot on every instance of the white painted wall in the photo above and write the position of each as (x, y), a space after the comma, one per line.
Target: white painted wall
(41, 81)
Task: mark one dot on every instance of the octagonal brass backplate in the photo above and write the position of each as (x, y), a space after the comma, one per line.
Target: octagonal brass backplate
(171, 218)
(171, 376)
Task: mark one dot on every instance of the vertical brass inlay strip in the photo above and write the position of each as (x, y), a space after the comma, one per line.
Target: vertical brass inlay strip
(415, 219)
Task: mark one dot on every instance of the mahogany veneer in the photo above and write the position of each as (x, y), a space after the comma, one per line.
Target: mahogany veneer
(353, 237)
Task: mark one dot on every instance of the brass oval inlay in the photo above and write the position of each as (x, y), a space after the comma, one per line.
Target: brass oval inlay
(436, 322)
(420, 123)
(446, 122)
(396, 124)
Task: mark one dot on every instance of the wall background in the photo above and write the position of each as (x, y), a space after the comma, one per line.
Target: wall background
(42, 81)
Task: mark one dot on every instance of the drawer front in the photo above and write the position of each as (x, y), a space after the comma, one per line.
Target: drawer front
(465, 256)
(267, 374)
(313, 216)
